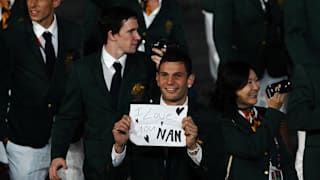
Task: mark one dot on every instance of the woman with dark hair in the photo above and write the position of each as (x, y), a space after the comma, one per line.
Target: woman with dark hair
(251, 134)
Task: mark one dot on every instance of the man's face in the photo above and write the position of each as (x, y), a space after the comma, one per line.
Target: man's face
(173, 82)
(128, 37)
(42, 11)
(248, 95)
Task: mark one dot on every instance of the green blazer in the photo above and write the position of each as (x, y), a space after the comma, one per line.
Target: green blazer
(252, 151)
(302, 30)
(214, 153)
(243, 32)
(208, 5)
(304, 112)
(35, 97)
(87, 96)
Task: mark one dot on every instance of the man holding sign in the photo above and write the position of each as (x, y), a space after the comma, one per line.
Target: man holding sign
(174, 77)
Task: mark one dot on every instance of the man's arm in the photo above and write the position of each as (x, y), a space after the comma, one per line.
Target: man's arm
(120, 133)
(194, 150)
(6, 70)
(65, 123)
(303, 103)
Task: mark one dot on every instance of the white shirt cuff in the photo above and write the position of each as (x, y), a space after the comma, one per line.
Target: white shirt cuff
(196, 154)
(117, 158)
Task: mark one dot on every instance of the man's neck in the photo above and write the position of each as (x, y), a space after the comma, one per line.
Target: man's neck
(166, 103)
(114, 52)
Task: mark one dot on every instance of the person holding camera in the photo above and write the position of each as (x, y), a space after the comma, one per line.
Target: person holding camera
(253, 142)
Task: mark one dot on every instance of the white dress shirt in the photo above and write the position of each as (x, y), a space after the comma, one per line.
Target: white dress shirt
(107, 66)
(53, 29)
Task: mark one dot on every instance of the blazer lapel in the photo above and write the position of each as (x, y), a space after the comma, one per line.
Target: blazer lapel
(62, 36)
(163, 10)
(257, 5)
(243, 124)
(97, 72)
(129, 73)
(34, 45)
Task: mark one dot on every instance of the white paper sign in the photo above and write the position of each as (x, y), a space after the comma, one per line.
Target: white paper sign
(157, 125)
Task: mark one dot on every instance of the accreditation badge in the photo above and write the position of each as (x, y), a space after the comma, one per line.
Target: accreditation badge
(275, 173)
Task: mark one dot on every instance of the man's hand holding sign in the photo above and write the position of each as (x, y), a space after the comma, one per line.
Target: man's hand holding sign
(156, 125)
(163, 138)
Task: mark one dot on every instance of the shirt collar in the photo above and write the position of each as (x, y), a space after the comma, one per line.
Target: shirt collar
(164, 104)
(109, 60)
(254, 109)
(11, 3)
(39, 30)
(155, 11)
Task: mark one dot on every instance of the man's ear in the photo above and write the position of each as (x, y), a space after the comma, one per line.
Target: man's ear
(157, 78)
(191, 80)
(56, 3)
(111, 36)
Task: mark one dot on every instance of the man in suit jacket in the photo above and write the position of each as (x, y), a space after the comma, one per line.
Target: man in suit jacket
(35, 93)
(303, 114)
(303, 43)
(250, 31)
(165, 21)
(303, 111)
(174, 77)
(89, 93)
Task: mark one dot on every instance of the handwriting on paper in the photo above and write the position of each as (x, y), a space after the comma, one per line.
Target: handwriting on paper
(157, 125)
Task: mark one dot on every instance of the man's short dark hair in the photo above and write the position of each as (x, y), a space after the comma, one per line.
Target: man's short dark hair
(113, 18)
(176, 54)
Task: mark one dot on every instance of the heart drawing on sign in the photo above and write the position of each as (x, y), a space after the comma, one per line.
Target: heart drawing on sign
(137, 120)
(179, 110)
(146, 138)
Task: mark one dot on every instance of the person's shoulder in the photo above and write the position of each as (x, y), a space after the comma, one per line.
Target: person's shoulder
(67, 23)
(71, 29)
(138, 55)
(88, 61)
(141, 59)
(17, 31)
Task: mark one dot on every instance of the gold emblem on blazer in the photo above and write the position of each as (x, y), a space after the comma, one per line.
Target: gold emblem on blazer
(169, 25)
(69, 58)
(138, 92)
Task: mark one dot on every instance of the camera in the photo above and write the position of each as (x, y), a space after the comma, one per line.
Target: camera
(280, 87)
(162, 44)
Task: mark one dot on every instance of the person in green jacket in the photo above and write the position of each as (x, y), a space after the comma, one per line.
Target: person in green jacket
(253, 141)
(303, 43)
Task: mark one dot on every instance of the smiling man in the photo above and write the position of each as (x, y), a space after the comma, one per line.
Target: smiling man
(35, 72)
(174, 78)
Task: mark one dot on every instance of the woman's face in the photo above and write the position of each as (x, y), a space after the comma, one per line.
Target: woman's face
(248, 95)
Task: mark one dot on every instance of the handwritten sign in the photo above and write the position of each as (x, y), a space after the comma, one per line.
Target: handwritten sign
(157, 125)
